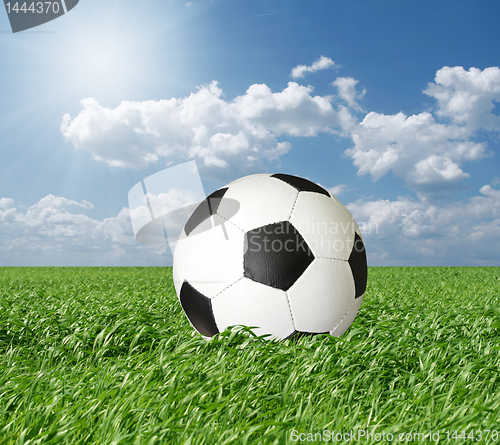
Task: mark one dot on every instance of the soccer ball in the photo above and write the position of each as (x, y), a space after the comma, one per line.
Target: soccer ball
(277, 253)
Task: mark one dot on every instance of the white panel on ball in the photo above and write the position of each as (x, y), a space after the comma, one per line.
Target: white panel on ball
(346, 322)
(263, 200)
(211, 261)
(347, 213)
(253, 304)
(322, 295)
(325, 224)
(178, 270)
(257, 175)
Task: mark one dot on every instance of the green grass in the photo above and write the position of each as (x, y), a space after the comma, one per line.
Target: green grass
(106, 356)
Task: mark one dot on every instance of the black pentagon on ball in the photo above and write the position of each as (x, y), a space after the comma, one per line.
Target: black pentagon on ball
(276, 255)
(301, 184)
(357, 261)
(205, 210)
(198, 309)
(297, 335)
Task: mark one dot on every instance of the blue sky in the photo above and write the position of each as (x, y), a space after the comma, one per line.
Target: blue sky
(395, 109)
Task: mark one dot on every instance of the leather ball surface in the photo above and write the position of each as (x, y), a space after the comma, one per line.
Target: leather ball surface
(274, 252)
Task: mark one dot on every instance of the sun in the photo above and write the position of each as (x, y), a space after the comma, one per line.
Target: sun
(109, 58)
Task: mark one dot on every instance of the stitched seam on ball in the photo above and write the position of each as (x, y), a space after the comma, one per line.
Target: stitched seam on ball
(345, 315)
(290, 308)
(293, 207)
(227, 287)
(331, 258)
(264, 175)
(231, 222)
(258, 226)
(352, 304)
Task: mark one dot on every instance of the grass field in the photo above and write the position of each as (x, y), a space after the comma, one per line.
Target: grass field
(106, 356)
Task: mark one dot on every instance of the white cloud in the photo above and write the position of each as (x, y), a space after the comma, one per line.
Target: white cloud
(294, 111)
(56, 231)
(407, 231)
(7, 209)
(6, 203)
(347, 92)
(339, 189)
(427, 154)
(321, 64)
(237, 134)
(467, 97)
(428, 150)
